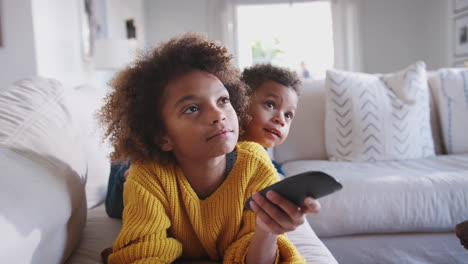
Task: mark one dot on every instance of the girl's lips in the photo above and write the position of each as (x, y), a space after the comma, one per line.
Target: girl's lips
(220, 133)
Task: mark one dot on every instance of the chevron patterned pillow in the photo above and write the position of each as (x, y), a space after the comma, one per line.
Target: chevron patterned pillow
(451, 88)
(371, 117)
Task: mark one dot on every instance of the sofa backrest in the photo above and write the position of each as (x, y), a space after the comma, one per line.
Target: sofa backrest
(306, 138)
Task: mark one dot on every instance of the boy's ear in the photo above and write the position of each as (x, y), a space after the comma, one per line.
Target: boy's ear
(164, 143)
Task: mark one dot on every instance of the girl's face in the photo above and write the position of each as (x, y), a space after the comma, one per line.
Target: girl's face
(199, 119)
(272, 111)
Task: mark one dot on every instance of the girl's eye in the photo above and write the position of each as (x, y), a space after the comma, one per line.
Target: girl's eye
(288, 115)
(225, 100)
(191, 109)
(270, 104)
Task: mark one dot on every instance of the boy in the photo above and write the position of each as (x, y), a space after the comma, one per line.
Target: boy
(274, 95)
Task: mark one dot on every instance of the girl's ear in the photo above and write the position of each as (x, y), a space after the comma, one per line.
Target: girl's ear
(165, 143)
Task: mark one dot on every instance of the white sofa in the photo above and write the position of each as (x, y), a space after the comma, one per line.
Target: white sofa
(55, 178)
(54, 165)
(56, 171)
(388, 211)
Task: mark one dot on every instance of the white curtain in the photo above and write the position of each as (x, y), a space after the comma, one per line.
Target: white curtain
(347, 34)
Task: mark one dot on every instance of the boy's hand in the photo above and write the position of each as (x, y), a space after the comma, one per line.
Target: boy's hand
(311, 206)
(125, 175)
(278, 215)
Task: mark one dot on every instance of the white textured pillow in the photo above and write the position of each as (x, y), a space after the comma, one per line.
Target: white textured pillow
(35, 117)
(451, 86)
(372, 117)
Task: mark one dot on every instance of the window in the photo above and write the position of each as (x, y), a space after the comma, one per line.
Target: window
(298, 36)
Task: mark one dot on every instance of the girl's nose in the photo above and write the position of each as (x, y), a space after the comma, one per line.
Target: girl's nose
(217, 116)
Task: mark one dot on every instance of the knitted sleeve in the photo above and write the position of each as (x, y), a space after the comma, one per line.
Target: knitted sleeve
(143, 238)
(264, 174)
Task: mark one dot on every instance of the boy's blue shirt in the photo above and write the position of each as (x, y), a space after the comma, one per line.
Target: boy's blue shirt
(114, 196)
(278, 167)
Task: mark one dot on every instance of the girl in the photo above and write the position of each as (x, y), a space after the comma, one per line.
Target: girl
(175, 115)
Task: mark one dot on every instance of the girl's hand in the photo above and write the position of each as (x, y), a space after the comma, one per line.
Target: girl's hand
(278, 215)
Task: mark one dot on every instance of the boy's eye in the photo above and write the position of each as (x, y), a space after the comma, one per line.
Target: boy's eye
(225, 100)
(191, 109)
(288, 115)
(270, 104)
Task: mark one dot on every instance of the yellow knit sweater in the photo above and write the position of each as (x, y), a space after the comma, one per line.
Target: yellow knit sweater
(164, 220)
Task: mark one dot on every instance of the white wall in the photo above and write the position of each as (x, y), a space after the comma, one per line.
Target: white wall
(17, 55)
(121, 10)
(398, 32)
(166, 19)
(393, 33)
(43, 37)
(58, 40)
(57, 29)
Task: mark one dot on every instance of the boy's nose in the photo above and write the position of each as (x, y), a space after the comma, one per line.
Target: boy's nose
(279, 119)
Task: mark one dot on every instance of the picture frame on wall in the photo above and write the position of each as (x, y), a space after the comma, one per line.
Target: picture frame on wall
(460, 27)
(460, 5)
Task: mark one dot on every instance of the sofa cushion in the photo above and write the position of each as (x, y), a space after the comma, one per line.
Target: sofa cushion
(306, 139)
(101, 231)
(418, 195)
(451, 93)
(371, 117)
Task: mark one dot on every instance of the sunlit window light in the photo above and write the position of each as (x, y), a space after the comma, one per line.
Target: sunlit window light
(298, 36)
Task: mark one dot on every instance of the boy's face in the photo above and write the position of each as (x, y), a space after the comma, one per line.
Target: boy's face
(199, 119)
(272, 110)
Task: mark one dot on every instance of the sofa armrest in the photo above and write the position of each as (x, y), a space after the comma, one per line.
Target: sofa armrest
(43, 209)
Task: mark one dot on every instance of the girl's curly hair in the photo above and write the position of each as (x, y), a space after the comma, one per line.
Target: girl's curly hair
(132, 111)
(256, 75)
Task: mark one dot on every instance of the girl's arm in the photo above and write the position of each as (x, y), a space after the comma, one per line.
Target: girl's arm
(143, 238)
(275, 215)
(262, 248)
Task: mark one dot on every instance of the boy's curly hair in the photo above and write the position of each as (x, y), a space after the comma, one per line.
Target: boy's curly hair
(132, 112)
(256, 75)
